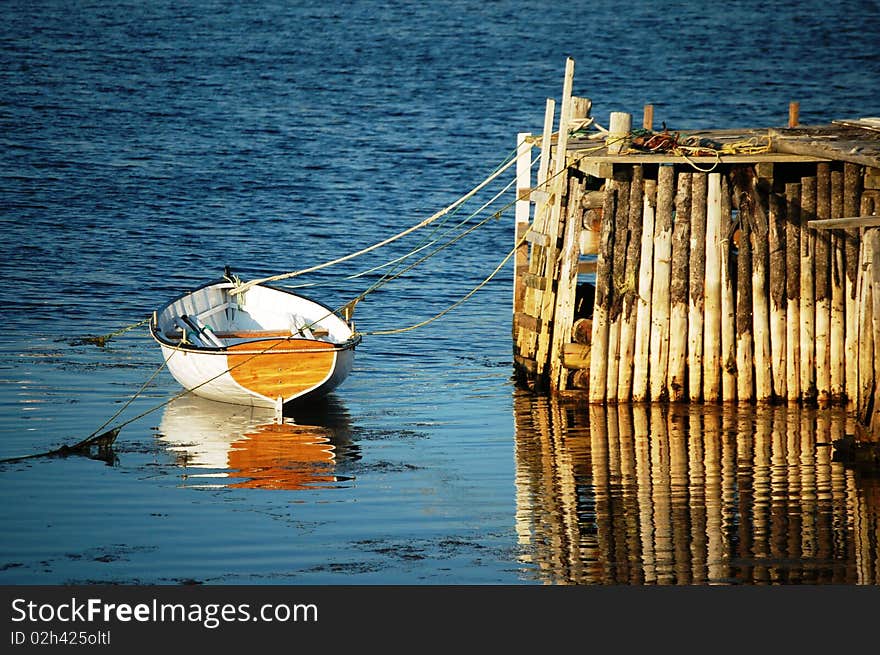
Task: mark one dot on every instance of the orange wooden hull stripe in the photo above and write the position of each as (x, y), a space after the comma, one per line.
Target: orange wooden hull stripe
(290, 368)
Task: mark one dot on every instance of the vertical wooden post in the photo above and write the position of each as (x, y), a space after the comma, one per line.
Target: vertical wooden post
(621, 223)
(563, 315)
(793, 290)
(712, 320)
(619, 126)
(852, 181)
(822, 285)
(778, 300)
(659, 348)
(838, 301)
(744, 306)
(648, 117)
(808, 305)
(558, 187)
(646, 279)
(728, 307)
(696, 286)
(794, 109)
(678, 315)
(521, 217)
(760, 302)
(602, 306)
(866, 331)
(630, 284)
(872, 236)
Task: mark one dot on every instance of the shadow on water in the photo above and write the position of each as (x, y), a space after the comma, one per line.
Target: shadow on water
(681, 494)
(223, 445)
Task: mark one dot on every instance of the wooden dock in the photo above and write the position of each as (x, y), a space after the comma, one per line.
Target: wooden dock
(701, 266)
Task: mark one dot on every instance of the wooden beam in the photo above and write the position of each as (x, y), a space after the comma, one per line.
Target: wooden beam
(844, 223)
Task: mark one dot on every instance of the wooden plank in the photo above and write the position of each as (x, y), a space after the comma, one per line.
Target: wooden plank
(778, 299)
(642, 343)
(852, 177)
(527, 322)
(728, 306)
(554, 226)
(526, 363)
(745, 343)
(660, 290)
(678, 315)
(838, 302)
(808, 303)
(576, 356)
(844, 223)
(822, 281)
(621, 234)
(832, 142)
(792, 290)
(260, 334)
(533, 281)
(696, 286)
(630, 285)
(522, 215)
(602, 307)
(537, 238)
(563, 316)
(712, 290)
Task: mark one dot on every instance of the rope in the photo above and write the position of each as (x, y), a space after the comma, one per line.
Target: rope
(459, 302)
(100, 341)
(385, 242)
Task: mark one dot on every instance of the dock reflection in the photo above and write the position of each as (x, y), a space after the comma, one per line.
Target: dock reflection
(690, 495)
(224, 445)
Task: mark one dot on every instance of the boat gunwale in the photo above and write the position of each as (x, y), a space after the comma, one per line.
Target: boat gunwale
(159, 337)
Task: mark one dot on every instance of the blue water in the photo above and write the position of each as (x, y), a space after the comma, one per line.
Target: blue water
(143, 146)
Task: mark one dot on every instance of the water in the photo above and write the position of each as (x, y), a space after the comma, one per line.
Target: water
(147, 145)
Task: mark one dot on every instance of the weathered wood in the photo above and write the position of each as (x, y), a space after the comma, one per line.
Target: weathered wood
(808, 304)
(648, 117)
(793, 290)
(712, 290)
(728, 307)
(757, 213)
(852, 180)
(854, 222)
(630, 286)
(641, 369)
(678, 315)
(837, 340)
(778, 299)
(822, 284)
(744, 304)
(576, 356)
(554, 227)
(621, 223)
(582, 331)
(522, 213)
(563, 315)
(696, 286)
(872, 236)
(867, 347)
(794, 109)
(619, 126)
(602, 307)
(527, 322)
(660, 290)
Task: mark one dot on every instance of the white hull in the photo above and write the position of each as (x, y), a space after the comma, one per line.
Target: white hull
(264, 347)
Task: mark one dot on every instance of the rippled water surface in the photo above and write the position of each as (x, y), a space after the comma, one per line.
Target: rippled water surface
(144, 146)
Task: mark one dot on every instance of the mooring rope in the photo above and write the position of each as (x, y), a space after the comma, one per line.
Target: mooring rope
(434, 217)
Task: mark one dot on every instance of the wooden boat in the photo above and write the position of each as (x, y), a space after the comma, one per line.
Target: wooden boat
(261, 346)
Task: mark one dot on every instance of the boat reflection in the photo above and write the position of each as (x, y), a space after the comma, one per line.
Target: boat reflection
(694, 495)
(224, 445)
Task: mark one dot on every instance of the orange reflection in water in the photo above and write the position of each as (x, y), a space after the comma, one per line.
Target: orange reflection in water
(219, 444)
(661, 495)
